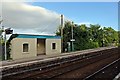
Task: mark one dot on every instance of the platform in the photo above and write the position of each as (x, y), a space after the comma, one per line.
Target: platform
(44, 58)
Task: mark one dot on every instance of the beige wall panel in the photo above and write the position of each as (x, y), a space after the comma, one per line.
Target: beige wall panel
(49, 50)
(17, 48)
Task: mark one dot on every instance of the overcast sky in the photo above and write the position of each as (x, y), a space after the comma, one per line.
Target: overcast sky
(44, 18)
(26, 18)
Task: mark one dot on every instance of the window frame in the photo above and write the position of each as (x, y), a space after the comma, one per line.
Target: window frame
(27, 48)
(53, 46)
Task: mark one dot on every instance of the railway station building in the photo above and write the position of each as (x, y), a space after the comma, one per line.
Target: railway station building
(26, 46)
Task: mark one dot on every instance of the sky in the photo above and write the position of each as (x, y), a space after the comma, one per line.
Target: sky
(44, 17)
(103, 13)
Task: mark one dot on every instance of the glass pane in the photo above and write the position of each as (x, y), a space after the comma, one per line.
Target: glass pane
(25, 47)
(53, 45)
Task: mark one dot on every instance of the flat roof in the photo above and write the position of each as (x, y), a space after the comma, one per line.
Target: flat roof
(36, 36)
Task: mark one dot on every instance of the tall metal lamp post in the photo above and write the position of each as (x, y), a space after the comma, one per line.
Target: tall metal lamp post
(72, 40)
(62, 25)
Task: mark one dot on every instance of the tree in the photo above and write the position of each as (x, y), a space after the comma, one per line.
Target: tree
(110, 36)
(87, 37)
(1, 31)
(119, 38)
(96, 34)
(66, 34)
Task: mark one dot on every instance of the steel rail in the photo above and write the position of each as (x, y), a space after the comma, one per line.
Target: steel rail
(101, 69)
(55, 64)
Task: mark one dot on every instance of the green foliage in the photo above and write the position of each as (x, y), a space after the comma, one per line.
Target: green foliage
(118, 38)
(110, 36)
(8, 44)
(1, 31)
(88, 37)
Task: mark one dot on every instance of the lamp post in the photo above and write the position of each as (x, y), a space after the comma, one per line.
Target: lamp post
(62, 25)
(1, 31)
(5, 46)
(72, 40)
(5, 50)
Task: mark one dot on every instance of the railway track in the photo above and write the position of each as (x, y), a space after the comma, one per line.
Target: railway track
(82, 72)
(64, 67)
(49, 63)
(107, 73)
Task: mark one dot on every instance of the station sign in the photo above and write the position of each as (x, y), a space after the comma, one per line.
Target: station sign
(72, 40)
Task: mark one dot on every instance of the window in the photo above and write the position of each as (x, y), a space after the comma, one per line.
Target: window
(53, 46)
(25, 47)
